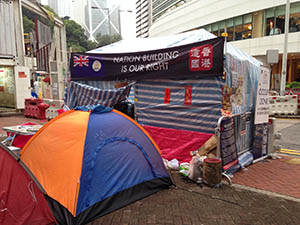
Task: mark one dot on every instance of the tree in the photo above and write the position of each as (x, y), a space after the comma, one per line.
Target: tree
(75, 34)
(107, 39)
(76, 39)
(29, 18)
(28, 24)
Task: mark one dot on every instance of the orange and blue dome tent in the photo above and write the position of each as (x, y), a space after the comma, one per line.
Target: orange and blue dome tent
(91, 161)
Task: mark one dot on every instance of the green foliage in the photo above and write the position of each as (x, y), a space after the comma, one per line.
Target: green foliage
(75, 34)
(76, 37)
(107, 39)
(293, 84)
(28, 25)
(91, 45)
(29, 19)
(50, 10)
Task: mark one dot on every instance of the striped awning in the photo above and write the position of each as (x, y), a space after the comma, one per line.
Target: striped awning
(78, 94)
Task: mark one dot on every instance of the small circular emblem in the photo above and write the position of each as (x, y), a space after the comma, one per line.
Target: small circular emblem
(97, 65)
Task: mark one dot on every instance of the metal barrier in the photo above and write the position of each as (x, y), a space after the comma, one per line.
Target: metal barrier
(238, 134)
(287, 104)
(54, 105)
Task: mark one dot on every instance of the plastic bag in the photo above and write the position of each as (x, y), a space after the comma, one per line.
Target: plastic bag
(195, 169)
(184, 169)
(173, 164)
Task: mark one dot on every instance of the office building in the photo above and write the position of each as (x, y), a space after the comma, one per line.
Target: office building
(143, 17)
(252, 26)
(95, 16)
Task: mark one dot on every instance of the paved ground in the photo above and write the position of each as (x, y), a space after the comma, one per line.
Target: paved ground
(190, 204)
(280, 176)
(290, 131)
(237, 204)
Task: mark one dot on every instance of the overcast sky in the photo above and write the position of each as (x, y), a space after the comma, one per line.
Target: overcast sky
(127, 18)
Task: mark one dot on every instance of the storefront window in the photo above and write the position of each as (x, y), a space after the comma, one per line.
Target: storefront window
(238, 25)
(247, 26)
(275, 19)
(208, 28)
(270, 21)
(215, 29)
(229, 27)
(222, 27)
(280, 19)
(294, 17)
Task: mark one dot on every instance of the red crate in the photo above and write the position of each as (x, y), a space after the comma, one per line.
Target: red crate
(32, 109)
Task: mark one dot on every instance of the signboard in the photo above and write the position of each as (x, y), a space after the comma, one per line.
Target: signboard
(262, 97)
(198, 59)
(272, 56)
(22, 86)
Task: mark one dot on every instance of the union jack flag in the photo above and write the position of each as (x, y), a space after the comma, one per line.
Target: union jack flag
(80, 61)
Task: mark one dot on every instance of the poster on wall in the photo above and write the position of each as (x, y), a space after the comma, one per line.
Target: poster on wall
(2, 77)
(7, 86)
(228, 142)
(262, 97)
(10, 82)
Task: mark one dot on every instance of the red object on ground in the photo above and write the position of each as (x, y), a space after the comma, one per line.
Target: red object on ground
(21, 201)
(47, 79)
(212, 160)
(21, 140)
(32, 109)
(60, 111)
(43, 106)
(177, 144)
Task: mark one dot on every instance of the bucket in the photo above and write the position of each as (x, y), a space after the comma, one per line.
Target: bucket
(212, 171)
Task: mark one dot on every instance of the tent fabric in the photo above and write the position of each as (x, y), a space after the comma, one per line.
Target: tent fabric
(82, 95)
(155, 43)
(65, 151)
(98, 160)
(240, 67)
(201, 114)
(233, 56)
(21, 201)
(186, 141)
(108, 84)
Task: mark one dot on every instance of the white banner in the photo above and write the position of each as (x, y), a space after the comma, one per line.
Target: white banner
(262, 97)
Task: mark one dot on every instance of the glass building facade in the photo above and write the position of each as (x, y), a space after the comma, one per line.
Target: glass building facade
(257, 24)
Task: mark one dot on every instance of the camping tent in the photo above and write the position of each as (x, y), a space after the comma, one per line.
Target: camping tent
(183, 100)
(21, 200)
(93, 161)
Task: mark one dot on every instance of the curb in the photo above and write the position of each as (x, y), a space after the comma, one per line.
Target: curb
(286, 116)
(269, 193)
(8, 114)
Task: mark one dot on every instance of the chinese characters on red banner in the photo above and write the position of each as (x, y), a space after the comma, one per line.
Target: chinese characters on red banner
(188, 95)
(167, 95)
(201, 58)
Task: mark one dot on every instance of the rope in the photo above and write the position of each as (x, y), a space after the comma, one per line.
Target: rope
(199, 193)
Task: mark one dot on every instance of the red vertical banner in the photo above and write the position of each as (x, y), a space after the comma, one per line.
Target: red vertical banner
(167, 95)
(188, 95)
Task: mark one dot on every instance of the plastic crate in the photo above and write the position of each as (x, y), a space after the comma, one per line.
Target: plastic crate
(32, 110)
